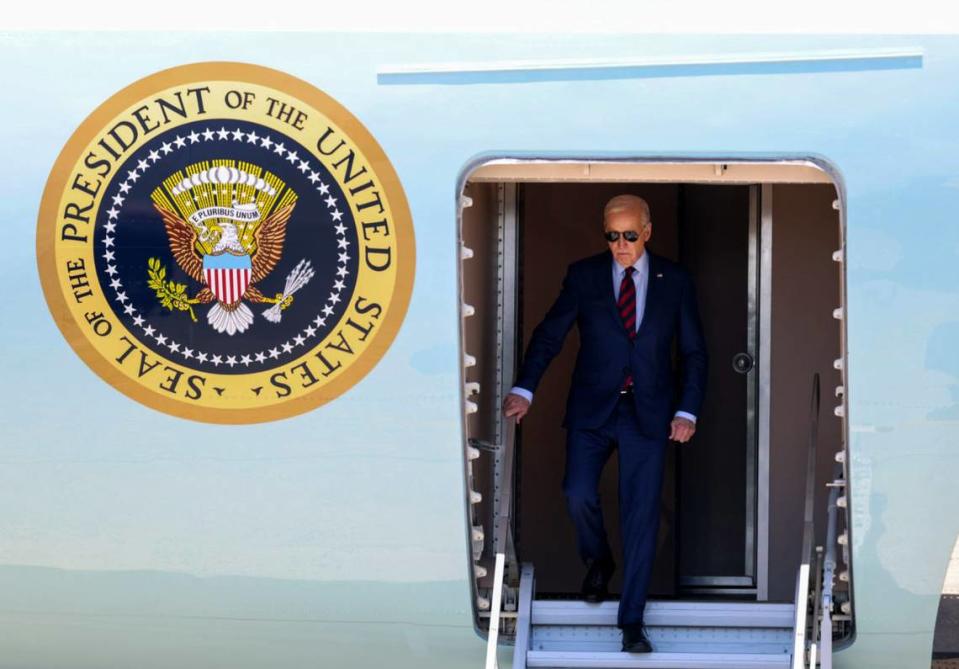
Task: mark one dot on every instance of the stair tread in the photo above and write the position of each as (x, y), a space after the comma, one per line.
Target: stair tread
(667, 613)
(656, 660)
(671, 604)
(607, 638)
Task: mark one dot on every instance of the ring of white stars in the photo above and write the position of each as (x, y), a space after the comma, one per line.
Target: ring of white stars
(217, 359)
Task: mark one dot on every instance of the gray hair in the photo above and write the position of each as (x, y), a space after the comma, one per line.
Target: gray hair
(631, 203)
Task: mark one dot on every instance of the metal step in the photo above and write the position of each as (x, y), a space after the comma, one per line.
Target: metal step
(668, 614)
(656, 660)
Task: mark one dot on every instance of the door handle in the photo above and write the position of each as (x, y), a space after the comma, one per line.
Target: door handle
(743, 363)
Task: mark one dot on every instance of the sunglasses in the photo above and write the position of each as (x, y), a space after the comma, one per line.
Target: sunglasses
(628, 235)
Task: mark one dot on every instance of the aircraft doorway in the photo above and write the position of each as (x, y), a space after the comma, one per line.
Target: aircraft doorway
(761, 242)
(708, 521)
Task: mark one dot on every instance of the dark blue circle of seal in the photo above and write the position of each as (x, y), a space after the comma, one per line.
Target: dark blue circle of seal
(129, 231)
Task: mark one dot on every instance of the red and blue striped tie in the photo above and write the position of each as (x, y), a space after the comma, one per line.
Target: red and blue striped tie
(627, 311)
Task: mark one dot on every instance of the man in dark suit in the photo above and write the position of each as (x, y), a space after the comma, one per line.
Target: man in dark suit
(629, 305)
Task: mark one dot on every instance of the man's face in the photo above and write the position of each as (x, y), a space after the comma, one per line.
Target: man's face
(625, 252)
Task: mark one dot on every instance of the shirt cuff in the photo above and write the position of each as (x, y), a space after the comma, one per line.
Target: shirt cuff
(522, 392)
(688, 416)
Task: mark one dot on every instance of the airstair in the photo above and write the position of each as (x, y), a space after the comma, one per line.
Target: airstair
(684, 634)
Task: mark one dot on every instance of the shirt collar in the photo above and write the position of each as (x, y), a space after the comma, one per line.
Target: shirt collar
(641, 266)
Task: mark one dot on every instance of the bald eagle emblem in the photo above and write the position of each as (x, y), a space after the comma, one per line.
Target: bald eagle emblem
(221, 237)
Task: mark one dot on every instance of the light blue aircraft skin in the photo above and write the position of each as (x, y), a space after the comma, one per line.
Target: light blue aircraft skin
(130, 538)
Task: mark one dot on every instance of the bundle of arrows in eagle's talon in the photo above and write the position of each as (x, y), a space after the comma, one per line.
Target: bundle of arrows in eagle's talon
(295, 280)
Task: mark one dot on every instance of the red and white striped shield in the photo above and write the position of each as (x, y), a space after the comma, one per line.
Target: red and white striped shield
(227, 276)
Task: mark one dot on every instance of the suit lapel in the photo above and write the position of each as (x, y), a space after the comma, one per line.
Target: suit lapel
(605, 277)
(603, 282)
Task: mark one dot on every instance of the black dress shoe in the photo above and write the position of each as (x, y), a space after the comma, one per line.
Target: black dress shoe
(635, 639)
(594, 588)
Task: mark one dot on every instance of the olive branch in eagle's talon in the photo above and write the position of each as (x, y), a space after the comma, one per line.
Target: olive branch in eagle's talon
(173, 295)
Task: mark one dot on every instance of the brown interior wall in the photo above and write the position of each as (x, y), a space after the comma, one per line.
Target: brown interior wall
(805, 339)
(562, 223)
(479, 290)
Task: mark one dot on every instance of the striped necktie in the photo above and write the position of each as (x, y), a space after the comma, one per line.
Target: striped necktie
(627, 311)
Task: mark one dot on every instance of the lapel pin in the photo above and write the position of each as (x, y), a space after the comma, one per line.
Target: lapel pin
(659, 275)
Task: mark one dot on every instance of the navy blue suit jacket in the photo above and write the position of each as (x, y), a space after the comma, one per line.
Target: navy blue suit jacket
(606, 353)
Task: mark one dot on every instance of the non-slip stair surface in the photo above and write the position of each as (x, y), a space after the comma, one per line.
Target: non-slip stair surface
(707, 614)
(656, 660)
(684, 635)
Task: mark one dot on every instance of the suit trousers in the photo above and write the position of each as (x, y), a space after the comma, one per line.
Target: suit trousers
(640, 484)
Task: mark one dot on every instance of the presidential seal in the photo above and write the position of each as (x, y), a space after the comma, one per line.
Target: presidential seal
(226, 243)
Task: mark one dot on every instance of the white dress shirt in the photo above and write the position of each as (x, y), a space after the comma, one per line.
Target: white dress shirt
(641, 280)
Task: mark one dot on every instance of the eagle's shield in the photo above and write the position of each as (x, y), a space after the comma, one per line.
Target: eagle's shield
(227, 275)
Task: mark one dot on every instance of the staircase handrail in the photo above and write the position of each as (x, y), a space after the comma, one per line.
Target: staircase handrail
(503, 528)
(808, 536)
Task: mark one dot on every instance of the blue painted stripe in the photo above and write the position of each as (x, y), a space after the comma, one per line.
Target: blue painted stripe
(837, 60)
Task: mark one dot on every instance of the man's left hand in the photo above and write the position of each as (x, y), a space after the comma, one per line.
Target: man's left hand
(681, 429)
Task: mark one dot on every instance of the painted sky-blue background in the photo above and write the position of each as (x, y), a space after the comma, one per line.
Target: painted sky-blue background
(355, 511)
